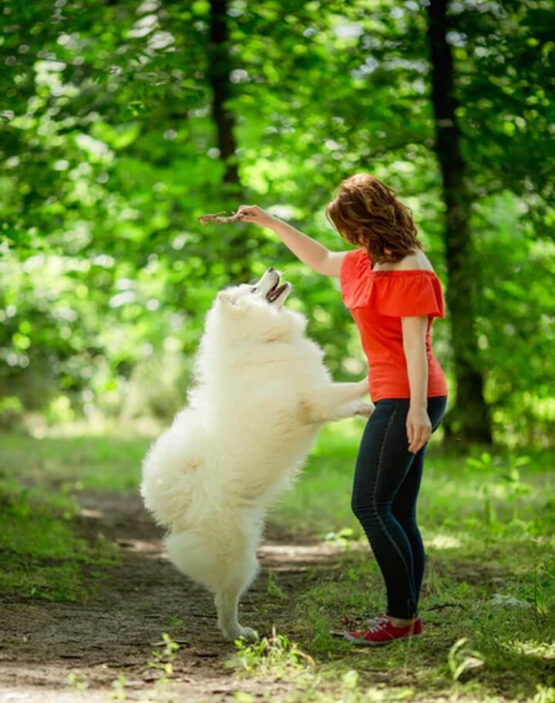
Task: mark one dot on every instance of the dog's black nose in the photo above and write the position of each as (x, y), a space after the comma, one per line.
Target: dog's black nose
(271, 268)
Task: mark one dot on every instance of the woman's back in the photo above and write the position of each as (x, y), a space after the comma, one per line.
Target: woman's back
(418, 261)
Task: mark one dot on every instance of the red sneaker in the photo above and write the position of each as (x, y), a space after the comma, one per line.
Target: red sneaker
(381, 631)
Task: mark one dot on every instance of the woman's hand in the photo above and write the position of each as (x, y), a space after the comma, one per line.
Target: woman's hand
(254, 214)
(419, 428)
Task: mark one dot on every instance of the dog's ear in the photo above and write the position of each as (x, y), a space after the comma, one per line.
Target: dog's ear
(226, 298)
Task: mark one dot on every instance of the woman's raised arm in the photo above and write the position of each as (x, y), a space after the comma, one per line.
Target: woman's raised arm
(315, 255)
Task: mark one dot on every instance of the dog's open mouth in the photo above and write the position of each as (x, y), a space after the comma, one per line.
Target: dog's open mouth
(275, 291)
(269, 288)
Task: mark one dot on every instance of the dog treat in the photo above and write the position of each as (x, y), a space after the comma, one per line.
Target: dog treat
(221, 218)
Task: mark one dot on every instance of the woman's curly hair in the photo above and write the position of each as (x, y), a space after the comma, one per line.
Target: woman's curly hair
(366, 212)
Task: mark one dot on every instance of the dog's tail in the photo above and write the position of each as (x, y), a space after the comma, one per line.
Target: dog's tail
(171, 479)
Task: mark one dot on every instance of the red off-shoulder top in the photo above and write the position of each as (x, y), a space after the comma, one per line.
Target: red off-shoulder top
(377, 300)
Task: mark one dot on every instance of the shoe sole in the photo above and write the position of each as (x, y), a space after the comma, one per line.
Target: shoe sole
(369, 643)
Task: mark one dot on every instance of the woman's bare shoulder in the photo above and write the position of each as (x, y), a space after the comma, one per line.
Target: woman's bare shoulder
(418, 261)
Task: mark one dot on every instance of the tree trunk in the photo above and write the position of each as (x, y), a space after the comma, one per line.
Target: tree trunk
(219, 66)
(469, 420)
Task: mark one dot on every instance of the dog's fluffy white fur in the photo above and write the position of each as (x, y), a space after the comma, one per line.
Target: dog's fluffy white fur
(261, 392)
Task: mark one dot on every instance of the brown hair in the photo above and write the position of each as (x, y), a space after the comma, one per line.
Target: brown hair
(366, 212)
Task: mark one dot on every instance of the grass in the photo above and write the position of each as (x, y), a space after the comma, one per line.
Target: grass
(44, 553)
(487, 522)
(486, 519)
(477, 487)
(89, 462)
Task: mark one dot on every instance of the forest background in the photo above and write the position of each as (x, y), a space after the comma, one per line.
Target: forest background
(123, 122)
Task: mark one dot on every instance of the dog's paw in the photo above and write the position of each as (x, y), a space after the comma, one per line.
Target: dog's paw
(363, 409)
(249, 634)
(236, 633)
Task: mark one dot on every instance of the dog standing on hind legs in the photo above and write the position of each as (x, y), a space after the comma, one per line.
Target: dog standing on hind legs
(261, 393)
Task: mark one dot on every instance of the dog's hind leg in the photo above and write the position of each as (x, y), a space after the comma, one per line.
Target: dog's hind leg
(237, 578)
(223, 559)
(227, 602)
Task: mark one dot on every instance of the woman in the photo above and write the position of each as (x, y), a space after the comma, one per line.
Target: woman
(393, 294)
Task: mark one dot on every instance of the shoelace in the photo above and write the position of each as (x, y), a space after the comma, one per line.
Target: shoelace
(375, 624)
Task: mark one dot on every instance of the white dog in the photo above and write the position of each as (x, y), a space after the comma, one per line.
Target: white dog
(261, 393)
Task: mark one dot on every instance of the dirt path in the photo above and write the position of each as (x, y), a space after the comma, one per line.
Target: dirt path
(44, 643)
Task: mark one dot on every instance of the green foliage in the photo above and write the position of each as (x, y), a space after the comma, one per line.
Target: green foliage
(276, 655)
(108, 155)
(118, 688)
(163, 658)
(274, 591)
(11, 412)
(461, 659)
(76, 682)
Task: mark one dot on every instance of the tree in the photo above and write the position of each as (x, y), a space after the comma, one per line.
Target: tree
(469, 419)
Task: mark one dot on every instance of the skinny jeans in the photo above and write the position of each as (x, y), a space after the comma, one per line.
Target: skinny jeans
(385, 490)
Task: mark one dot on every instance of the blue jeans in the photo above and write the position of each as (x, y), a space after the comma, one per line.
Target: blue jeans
(386, 483)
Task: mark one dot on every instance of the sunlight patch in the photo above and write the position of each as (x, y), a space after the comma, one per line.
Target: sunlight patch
(95, 514)
(444, 542)
(545, 650)
(506, 601)
(282, 556)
